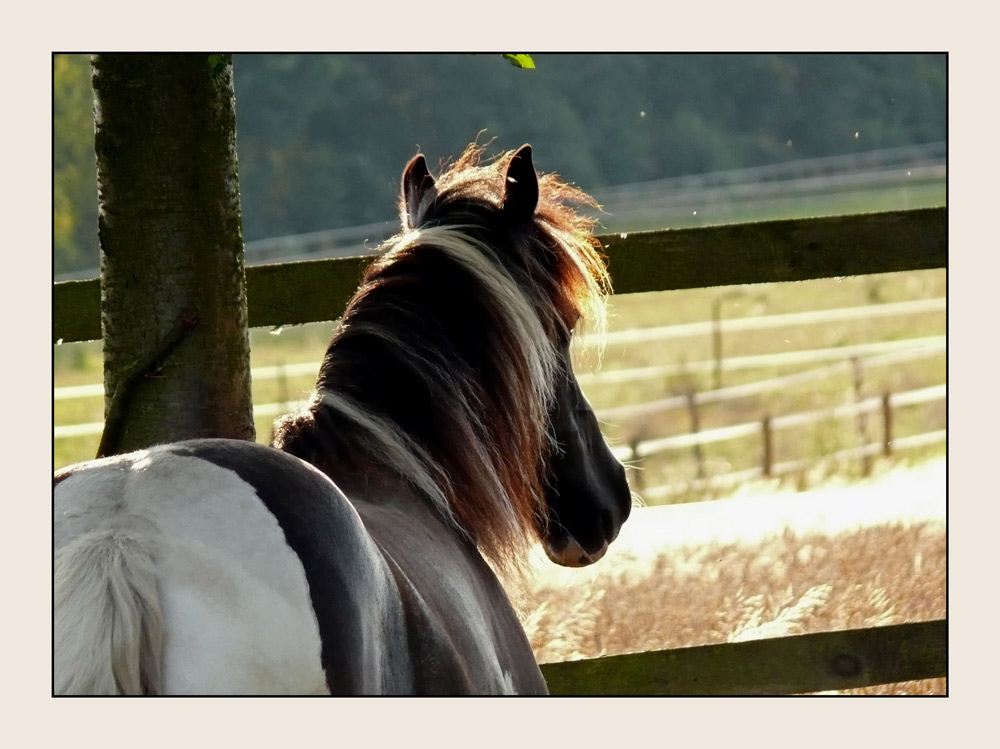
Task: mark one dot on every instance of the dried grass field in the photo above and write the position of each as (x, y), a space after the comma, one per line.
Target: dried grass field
(839, 557)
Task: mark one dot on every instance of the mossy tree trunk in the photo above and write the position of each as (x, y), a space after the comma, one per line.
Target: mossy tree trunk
(173, 290)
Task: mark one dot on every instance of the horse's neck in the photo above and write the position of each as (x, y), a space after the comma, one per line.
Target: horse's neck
(441, 567)
(402, 522)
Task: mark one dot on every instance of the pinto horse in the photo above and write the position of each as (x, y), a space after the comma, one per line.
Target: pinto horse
(358, 554)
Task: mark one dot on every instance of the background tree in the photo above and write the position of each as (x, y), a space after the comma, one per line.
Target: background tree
(74, 182)
(322, 137)
(173, 295)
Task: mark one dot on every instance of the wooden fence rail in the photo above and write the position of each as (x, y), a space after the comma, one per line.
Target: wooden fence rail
(730, 479)
(876, 353)
(758, 387)
(768, 425)
(880, 352)
(784, 665)
(765, 322)
(639, 449)
(786, 250)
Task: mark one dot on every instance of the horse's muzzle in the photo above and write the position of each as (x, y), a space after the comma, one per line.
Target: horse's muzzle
(568, 552)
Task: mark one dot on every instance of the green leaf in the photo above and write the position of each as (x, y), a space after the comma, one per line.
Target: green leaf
(520, 61)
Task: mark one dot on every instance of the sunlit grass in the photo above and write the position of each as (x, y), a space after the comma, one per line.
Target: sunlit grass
(679, 594)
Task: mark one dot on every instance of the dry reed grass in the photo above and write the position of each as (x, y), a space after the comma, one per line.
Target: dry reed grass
(727, 592)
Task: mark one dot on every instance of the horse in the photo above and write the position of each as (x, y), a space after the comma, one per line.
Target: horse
(362, 551)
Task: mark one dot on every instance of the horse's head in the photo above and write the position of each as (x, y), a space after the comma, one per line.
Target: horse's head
(547, 254)
(587, 495)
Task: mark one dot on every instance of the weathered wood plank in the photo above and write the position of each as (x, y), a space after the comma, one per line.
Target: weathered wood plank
(76, 311)
(788, 250)
(277, 294)
(301, 292)
(785, 665)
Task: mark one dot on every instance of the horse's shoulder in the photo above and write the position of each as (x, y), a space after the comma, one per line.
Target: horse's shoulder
(266, 469)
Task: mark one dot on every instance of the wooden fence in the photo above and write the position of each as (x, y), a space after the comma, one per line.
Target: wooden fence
(876, 354)
(798, 664)
(765, 428)
(786, 250)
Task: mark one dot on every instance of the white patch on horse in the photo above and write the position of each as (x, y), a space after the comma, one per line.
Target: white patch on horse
(234, 595)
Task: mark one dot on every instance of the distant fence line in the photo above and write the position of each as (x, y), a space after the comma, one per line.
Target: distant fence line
(646, 448)
(649, 447)
(905, 349)
(638, 335)
(617, 413)
(736, 478)
(797, 176)
(863, 161)
(764, 322)
(768, 467)
(766, 197)
(898, 351)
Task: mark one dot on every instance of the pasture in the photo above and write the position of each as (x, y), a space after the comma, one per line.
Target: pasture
(757, 566)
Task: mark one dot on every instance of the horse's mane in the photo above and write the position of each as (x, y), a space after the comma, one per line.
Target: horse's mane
(443, 364)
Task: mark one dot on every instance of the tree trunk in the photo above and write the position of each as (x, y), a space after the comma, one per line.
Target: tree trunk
(173, 291)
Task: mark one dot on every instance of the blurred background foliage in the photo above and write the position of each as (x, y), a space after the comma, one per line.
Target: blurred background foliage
(322, 138)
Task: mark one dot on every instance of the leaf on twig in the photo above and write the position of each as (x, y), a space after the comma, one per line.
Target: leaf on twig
(520, 61)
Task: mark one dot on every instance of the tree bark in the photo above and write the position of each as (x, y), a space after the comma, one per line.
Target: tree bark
(173, 290)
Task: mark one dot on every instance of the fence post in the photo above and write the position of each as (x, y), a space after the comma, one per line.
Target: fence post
(692, 406)
(887, 424)
(717, 343)
(717, 334)
(862, 421)
(768, 439)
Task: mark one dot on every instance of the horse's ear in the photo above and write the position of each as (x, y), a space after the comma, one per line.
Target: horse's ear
(417, 182)
(520, 193)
